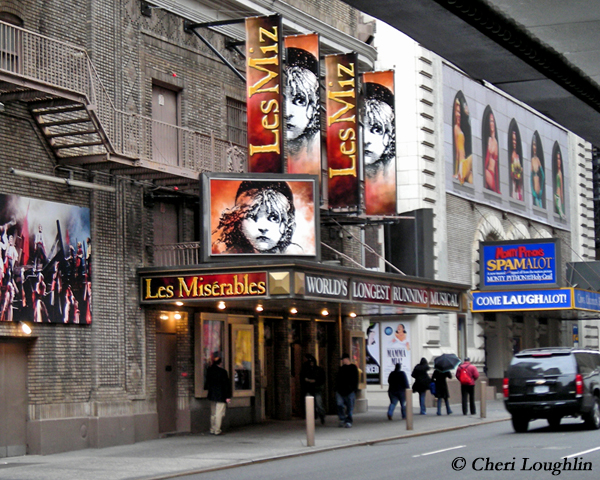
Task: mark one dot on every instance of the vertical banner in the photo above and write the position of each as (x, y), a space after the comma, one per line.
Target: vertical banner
(395, 349)
(379, 143)
(302, 102)
(372, 355)
(342, 141)
(263, 79)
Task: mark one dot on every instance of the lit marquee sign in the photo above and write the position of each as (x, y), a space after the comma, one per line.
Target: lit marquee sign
(519, 264)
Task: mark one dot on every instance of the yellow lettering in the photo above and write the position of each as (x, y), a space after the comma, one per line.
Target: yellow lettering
(339, 97)
(348, 70)
(184, 291)
(273, 148)
(148, 294)
(338, 172)
(263, 32)
(257, 64)
(262, 288)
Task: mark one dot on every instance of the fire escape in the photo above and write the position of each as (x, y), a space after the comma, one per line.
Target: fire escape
(63, 92)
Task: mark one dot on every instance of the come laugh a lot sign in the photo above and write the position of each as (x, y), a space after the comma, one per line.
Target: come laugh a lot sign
(550, 299)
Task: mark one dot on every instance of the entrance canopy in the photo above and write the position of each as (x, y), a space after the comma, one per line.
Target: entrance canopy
(308, 287)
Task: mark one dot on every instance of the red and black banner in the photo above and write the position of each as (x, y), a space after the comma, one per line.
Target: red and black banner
(302, 104)
(342, 128)
(379, 142)
(263, 72)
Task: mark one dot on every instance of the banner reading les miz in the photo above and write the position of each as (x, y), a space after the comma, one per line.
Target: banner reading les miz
(342, 141)
(263, 70)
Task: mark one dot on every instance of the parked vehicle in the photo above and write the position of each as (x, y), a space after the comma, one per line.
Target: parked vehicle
(553, 383)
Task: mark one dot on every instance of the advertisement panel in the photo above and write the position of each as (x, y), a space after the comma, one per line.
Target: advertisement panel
(302, 104)
(494, 152)
(379, 143)
(519, 300)
(373, 355)
(264, 95)
(46, 273)
(510, 264)
(260, 215)
(395, 349)
(342, 128)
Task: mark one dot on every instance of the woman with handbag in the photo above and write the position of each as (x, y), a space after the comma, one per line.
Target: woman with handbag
(422, 381)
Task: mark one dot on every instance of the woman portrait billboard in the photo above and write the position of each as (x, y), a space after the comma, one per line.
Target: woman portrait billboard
(491, 164)
(538, 172)
(558, 181)
(266, 215)
(515, 161)
(462, 151)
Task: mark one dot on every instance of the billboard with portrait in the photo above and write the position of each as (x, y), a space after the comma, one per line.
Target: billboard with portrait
(302, 104)
(494, 152)
(395, 348)
(260, 215)
(46, 261)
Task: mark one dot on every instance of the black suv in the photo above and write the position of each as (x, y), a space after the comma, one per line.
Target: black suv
(552, 383)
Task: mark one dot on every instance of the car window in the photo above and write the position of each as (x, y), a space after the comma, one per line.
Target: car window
(586, 363)
(530, 366)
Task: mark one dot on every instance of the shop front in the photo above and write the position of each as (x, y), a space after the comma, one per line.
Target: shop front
(262, 319)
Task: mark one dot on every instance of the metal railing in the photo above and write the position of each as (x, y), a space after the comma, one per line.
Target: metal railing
(65, 67)
(177, 254)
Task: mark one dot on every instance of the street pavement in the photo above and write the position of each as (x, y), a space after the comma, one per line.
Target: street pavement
(177, 455)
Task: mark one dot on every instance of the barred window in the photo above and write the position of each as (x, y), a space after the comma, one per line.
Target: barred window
(237, 123)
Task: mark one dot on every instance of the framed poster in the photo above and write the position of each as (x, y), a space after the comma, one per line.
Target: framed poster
(242, 354)
(263, 215)
(210, 343)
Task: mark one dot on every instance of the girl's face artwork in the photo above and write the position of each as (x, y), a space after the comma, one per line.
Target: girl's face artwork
(262, 228)
(376, 136)
(299, 109)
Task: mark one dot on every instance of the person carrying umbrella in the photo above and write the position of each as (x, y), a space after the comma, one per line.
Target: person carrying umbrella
(441, 390)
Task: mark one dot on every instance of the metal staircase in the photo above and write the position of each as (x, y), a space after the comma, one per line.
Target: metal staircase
(63, 92)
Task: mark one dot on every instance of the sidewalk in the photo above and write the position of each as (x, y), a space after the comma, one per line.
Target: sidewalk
(172, 456)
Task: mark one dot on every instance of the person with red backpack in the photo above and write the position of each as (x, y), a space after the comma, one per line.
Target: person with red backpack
(467, 374)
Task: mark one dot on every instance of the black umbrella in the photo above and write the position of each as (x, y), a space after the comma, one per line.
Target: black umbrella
(446, 362)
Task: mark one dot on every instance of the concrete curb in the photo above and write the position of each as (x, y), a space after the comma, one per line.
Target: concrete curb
(313, 450)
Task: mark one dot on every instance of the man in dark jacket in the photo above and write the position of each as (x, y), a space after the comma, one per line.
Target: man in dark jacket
(312, 380)
(345, 390)
(397, 385)
(219, 393)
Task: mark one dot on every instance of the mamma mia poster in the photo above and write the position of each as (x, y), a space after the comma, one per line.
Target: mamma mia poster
(395, 349)
(46, 261)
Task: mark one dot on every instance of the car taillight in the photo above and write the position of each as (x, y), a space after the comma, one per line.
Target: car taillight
(505, 387)
(578, 384)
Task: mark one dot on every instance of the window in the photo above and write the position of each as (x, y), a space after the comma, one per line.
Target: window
(237, 122)
(10, 44)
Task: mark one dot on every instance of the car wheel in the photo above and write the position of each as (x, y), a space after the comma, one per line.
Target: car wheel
(554, 422)
(592, 419)
(520, 423)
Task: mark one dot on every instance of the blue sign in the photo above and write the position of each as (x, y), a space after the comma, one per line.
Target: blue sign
(553, 299)
(585, 300)
(523, 263)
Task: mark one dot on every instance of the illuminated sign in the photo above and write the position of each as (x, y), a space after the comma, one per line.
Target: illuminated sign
(585, 300)
(519, 263)
(198, 287)
(551, 299)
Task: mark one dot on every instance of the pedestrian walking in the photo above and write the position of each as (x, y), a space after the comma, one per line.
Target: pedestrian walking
(467, 374)
(219, 393)
(397, 385)
(441, 390)
(345, 390)
(422, 382)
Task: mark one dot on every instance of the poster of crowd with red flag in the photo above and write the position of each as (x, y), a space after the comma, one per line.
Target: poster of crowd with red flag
(46, 261)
